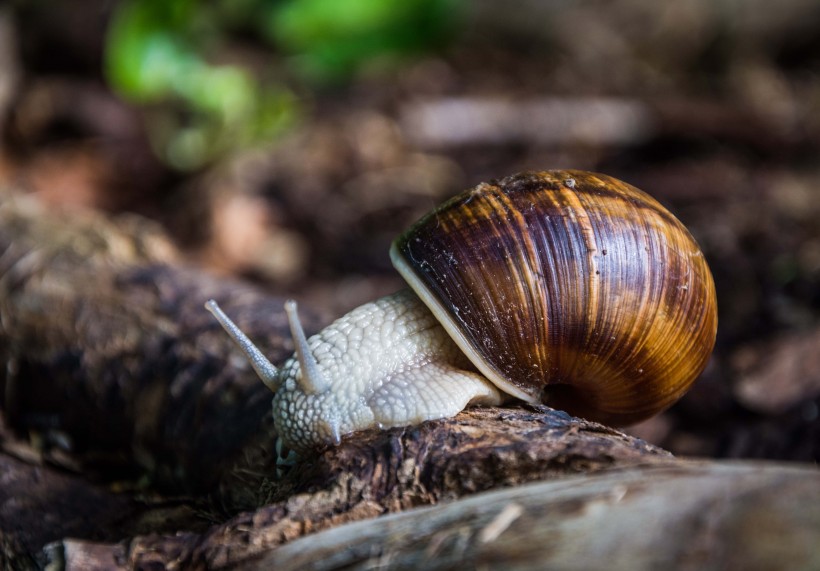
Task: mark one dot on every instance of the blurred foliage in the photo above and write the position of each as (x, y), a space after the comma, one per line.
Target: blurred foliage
(154, 55)
(331, 39)
(157, 55)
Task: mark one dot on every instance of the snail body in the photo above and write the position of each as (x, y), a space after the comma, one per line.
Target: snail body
(564, 287)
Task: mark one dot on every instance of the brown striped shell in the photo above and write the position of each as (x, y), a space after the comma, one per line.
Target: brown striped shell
(567, 287)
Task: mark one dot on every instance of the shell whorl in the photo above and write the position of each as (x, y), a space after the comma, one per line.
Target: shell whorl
(568, 287)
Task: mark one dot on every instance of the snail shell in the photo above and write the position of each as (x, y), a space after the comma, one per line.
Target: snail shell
(567, 287)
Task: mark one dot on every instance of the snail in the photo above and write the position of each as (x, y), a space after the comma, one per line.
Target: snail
(564, 287)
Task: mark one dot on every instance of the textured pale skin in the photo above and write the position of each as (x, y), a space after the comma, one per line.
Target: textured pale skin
(387, 363)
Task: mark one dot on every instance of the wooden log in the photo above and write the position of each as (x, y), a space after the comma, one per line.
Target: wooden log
(692, 515)
(113, 367)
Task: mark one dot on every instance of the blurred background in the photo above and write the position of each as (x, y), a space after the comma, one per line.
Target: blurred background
(288, 142)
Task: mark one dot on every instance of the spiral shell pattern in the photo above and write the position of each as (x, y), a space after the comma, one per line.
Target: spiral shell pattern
(570, 288)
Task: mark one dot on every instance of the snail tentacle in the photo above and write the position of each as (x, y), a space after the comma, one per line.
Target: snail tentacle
(263, 367)
(311, 379)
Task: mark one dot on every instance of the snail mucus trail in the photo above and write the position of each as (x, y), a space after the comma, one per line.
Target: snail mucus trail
(564, 287)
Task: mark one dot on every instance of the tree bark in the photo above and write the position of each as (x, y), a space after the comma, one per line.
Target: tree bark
(113, 366)
(690, 516)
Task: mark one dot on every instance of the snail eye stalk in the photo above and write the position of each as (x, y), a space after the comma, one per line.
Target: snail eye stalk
(310, 380)
(263, 367)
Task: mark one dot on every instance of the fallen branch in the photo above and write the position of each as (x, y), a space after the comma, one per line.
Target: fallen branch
(689, 516)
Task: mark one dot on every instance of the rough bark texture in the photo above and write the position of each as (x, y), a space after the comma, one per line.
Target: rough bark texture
(690, 516)
(126, 413)
(113, 365)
